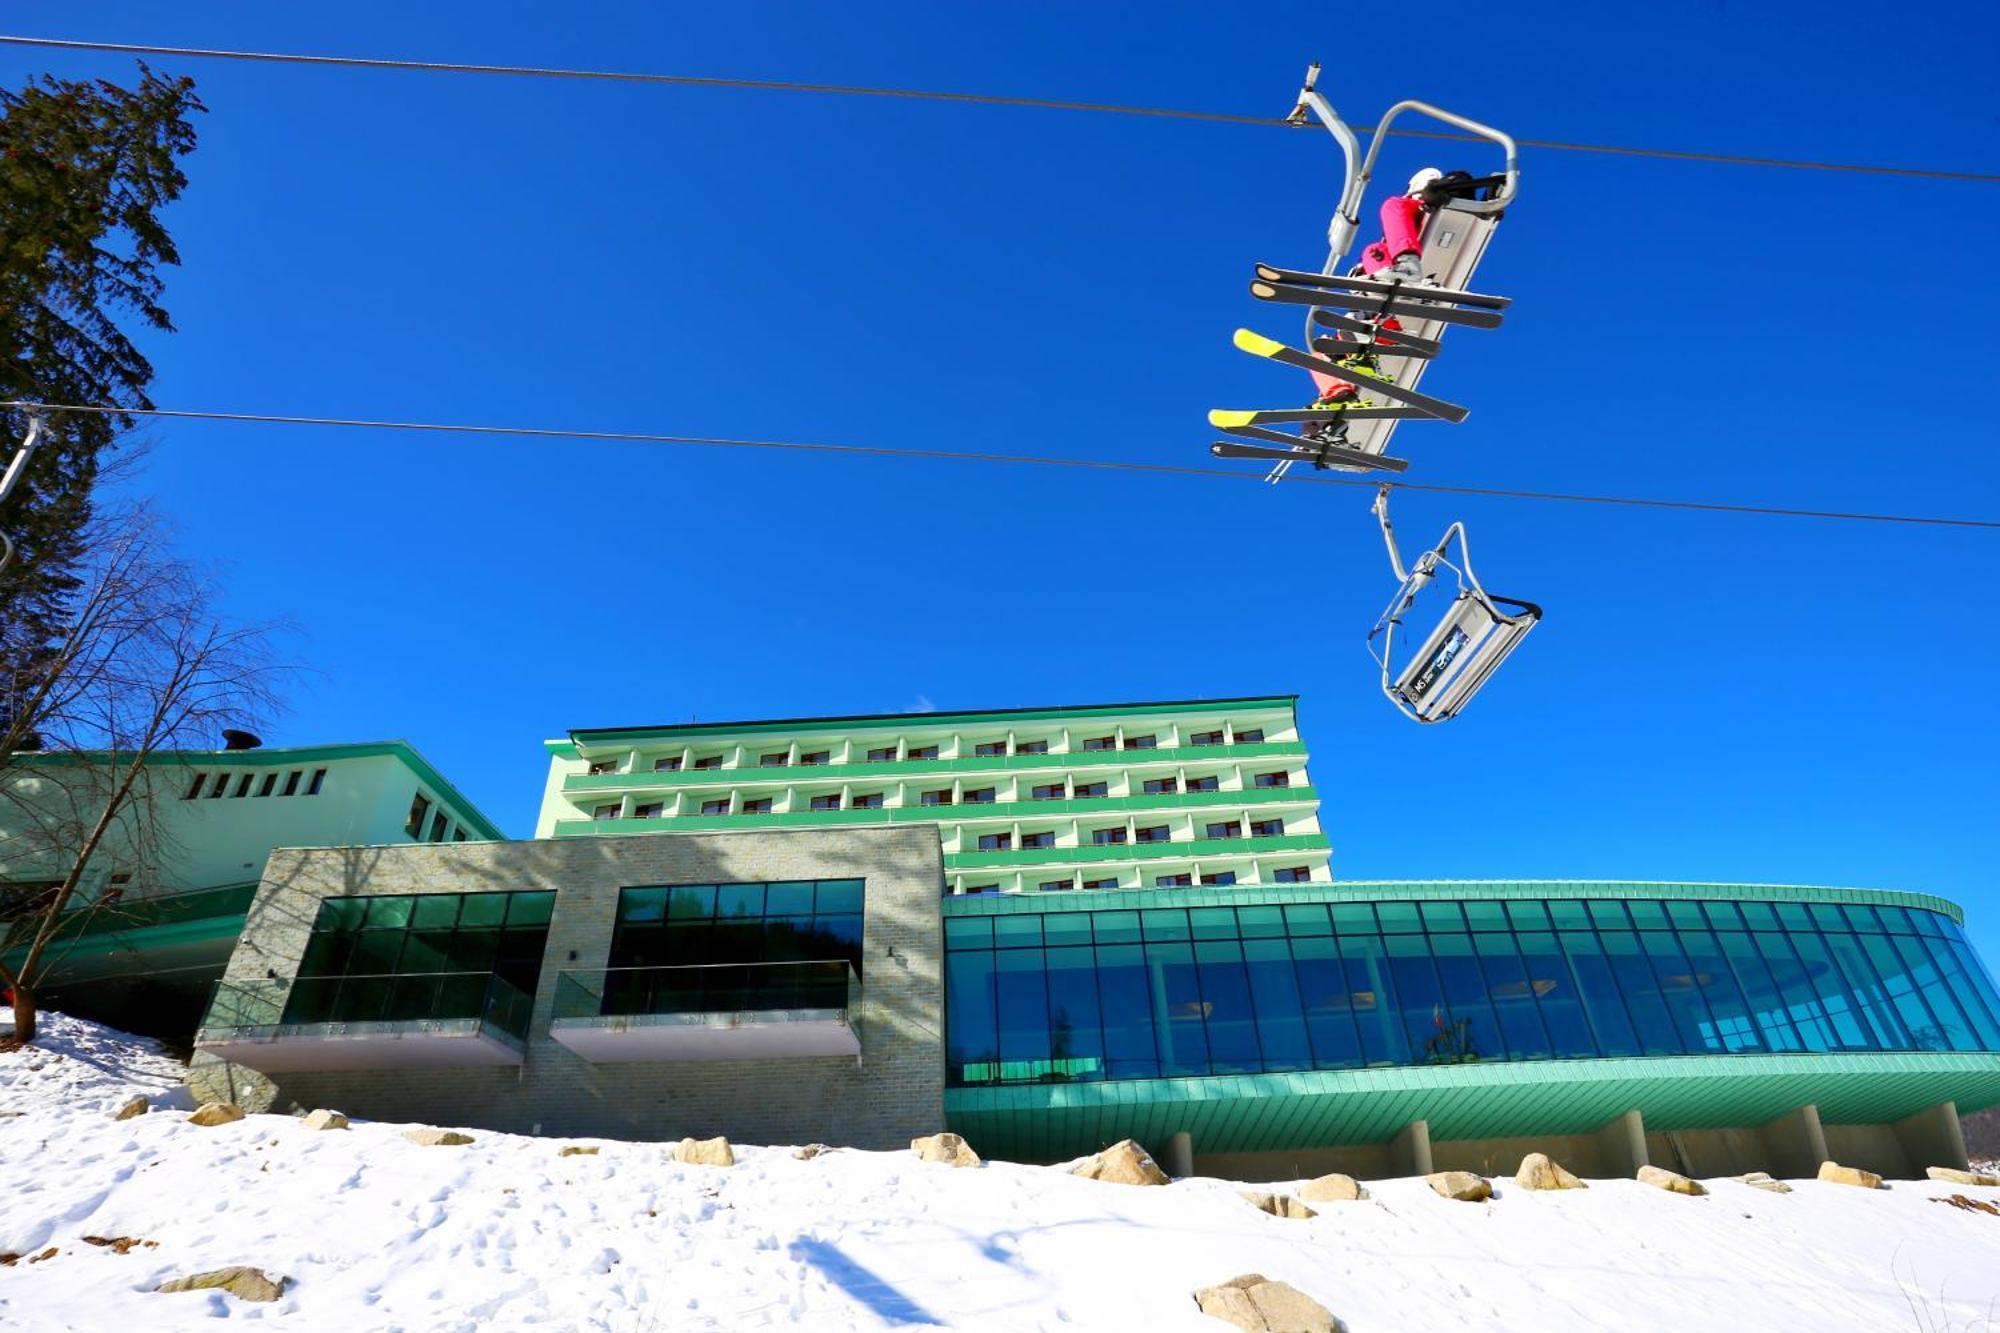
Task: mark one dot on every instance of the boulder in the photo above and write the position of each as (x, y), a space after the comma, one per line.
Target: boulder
(1332, 1188)
(1277, 1205)
(324, 1119)
(216, 1113)
(1539, 1173)
(579, 1150)
(1463, 1185)
(1836, 1174)
(245, 1284)
(810, 1151)
(1761, 1180)
(705, 1152)
(1123, 1163)
(1957, 1177)
(136, 1106)
(947, 1148)
(1256, 1304)
(1672, 1181)
(437, 1138)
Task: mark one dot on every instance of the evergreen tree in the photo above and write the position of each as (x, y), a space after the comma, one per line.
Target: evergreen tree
(86, 166)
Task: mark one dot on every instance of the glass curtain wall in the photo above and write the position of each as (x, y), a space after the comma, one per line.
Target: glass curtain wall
(1071, 996)
(697, 948)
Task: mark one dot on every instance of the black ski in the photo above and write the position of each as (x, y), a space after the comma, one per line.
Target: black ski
(1227, 419)
(1318, 456)
(1258, 345)
(1370, 303)
(1395, 342)
(1270, 274)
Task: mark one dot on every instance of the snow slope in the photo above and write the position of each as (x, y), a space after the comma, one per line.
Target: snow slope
(377, 1233)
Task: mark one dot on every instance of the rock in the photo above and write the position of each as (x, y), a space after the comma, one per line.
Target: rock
(216, 1113)
(1836, 1174)
(1277, 1205)
(1957, 1177)
(324, 1119)
(1123, 1163)
(137, 1106)
(1761, 1180)
(1463, 1185)
(579, 1150)
(437, 1138)
(810, 1151)
(1539, 1173)
(1332, 1188)
(1258, 1305)
(1673, 1181)
(947, 1148)
(245, 1284)
(705, 1152)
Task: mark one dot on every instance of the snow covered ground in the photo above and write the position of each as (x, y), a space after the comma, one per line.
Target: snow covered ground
(377, 1233)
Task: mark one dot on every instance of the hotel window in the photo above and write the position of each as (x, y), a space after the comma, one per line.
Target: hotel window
(778, 760)
(651, 810)
(1100, 743)
(935, 797)
(1086, 791)
(1107, 837)
(292, 781)
(1050, 791)
(438, 826)
(1173, 881)
(667, 764)
(1162, 786)
(195, 789)
(1231, 829)
(603, 766)
(709, 761)
(1153, 833)
(603, 811)
(1043, 839)
(921, 752)
(265, 787)
(1031, 747)
(458, 835)
(243, 786)
(1278, 779)
(1056, 885)
(1142, 742)
(825, 803)
(995, 842)
(989, 750)
(219, 786)
(1220, 877)
(760, 806)
(815, 759)
(1267, 828)
(1204, 738)
(1204, 784)
(420, 805)
(979, 796)
(318, 779)
(884, 754)
(972, 890)
(1254, 736)
(1100, 884)
(716, 807)
(871, 801)
(1294, 874)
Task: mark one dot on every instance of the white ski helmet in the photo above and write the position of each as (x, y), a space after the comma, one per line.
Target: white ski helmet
(1428, 176)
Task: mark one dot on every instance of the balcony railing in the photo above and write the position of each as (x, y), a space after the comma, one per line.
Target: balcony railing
(707, 1011)
(369, 1021)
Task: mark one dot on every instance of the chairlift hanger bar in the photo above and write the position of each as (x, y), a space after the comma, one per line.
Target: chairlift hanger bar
(932, 95)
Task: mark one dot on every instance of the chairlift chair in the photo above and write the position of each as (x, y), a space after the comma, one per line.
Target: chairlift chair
(1467, 646)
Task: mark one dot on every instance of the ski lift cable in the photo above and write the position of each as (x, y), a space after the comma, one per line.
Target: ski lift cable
(939, 95)
(969, 456)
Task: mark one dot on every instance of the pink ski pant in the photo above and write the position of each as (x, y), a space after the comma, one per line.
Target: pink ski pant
(1402, 220)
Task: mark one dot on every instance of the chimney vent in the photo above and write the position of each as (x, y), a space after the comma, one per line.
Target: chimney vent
(233, 739)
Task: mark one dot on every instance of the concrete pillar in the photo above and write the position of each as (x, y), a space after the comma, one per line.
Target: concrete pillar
(1178, 1160)
(1410, 1150)
(1621, 1144)
(1933, 1137)
(1794, 1144)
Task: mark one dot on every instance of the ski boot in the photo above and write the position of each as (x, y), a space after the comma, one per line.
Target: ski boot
(1333, 428)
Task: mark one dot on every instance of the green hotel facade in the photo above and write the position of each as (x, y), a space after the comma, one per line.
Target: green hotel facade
(1050, 929)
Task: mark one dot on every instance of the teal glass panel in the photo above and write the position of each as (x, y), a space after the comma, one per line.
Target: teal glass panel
(526, 909)
(1512, 992)
(1839, 1001)
(972, 1019)
(1598, 993)
(435, 911)
(1556, 994)
(1608, 915)
(837, 896)
(1115, 927)
(1165, 924)
(1727, 1008)
(389, 913)
(1525, 915)
(1759, 916)
(1132, 1012)
(1171, 971)
(1260, 923)
(1953, 1025)
(1212, 923)
(1472, 1029)
(1398, 918)
(1274, 994)
(1227, 1014)
(1076, 1030)
(481, 910)
(968, 932)
(1685, 915)
(1441, 916)
(1328, 1004)
(1066, 928)
(1647, 914)
(1652, 1024)
(341, 914)
(1022, 987)
(1759, 990)
(738, 901)
(1680, 988)
(1795, 989)
(642, 905)
(1485, 914)
(1017, 931)
(1569, 914)
(1420, 1000)
(789, 898)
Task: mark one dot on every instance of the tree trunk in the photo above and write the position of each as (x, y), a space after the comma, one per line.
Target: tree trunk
(24, 1015)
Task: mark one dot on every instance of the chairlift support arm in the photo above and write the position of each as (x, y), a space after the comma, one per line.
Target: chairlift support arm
(17, 467)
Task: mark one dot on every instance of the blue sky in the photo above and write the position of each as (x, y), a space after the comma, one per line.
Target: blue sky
(1711, 697)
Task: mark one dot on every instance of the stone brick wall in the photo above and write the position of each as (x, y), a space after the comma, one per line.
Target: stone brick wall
(894, 1093)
